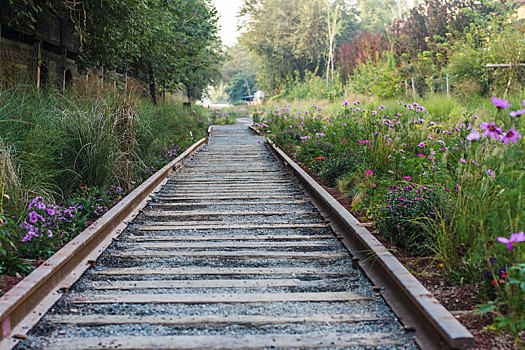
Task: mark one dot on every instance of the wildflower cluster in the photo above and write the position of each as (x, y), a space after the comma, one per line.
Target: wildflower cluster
(92, 202)
(405, 212)
(47, 220)
(171, 152)
(496, 273)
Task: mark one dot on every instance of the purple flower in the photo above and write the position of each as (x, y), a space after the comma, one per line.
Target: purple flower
(462, 160)
(490, 130)
(514, 238)
(474, 135)
(517, 113)
(490, 172)
(421, 144)
(33, 217)
(500, 103)
(511, 135)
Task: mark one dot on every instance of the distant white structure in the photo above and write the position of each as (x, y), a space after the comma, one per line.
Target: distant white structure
(258, 96)
(218, 105)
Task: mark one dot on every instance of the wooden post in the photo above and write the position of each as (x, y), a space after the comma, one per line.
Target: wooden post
(413, 89)
(406, 87)
(39, 63)
(100, 82)
(126, 79)
(448, 87)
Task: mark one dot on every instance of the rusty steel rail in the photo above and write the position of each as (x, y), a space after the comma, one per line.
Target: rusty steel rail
(23, 306)
(434, 326)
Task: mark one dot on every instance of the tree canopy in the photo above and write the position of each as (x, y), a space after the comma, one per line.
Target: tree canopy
(169, 44)
(290, 38)
(239, 73)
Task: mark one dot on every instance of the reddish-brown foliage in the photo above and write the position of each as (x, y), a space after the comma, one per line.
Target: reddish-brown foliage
(363, 47)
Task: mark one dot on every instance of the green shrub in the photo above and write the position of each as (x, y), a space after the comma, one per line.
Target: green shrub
(339, 164)
(313, 149)
(403, 214)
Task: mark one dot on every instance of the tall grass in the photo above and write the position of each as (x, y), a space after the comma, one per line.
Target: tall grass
(97, 138)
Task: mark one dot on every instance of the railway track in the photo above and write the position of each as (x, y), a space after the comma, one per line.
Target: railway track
(228, 254)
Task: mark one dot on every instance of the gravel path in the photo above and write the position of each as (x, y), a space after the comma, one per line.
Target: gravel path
(229, 254)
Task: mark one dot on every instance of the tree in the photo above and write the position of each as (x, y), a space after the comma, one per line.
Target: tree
(376, 15)
(334, 26)
(287, 38)
(239, 73)
(168, 43)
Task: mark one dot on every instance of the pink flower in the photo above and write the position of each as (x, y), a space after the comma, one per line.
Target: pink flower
(511, 135)
(462, 160)
(474, 135)
(421, 144)
(500, 103)
(517, 113)
(490, 130)
(407, 177)
(421, 155)
(369, 172)
(514, 238)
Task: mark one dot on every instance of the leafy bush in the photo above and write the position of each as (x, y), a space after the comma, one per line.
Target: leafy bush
(339, 164)
(378, 76)
(312, 87)
(403, 214)
(312, 150)
(467, 69)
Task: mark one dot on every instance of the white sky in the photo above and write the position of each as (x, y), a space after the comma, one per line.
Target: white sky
(228, 10)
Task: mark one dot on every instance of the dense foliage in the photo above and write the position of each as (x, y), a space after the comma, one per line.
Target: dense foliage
(289, 38)
(171, 44)
(239, 72)
(439, 44)
(386, 48)
(435, 183)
